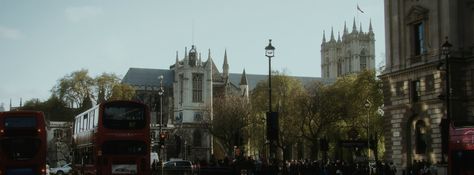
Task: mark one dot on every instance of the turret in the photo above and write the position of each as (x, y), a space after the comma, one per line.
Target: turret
(177, 60)
(225, 67)
(332, 35)
(244, 87)
(324, 36)
(354, 27)
(345, 29)
(338, 36)
(209, 60)
(186, 60)
(370, 27)
(193, 56)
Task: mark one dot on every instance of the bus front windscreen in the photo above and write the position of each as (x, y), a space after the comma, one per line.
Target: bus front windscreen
(20, 148)
(124, 147)
(20, 122)
(124, 116)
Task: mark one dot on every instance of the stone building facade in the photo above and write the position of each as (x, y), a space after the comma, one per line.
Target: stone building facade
(414, 78)
(351, 54)
(189, 87)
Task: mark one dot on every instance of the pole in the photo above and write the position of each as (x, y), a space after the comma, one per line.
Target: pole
(367, 105)
(270, 113)
(368, 138)
(161, 116)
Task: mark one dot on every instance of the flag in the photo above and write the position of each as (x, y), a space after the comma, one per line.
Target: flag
(358, 8)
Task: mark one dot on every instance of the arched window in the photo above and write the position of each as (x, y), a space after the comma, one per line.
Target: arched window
(420, 137)
(197, 138)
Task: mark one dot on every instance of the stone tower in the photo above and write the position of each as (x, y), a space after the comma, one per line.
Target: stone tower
(192, 93)
(351, 54)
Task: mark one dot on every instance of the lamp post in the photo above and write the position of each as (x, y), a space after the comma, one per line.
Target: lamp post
(160, 93)
(272, 118)
(445, 50)
(367, 106)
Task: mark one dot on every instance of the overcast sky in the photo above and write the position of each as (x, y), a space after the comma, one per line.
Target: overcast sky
(42, 41)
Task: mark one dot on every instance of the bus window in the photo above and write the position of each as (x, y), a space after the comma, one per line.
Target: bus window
(92, 119)
(124, 117)
(84, 122)
(96, 118)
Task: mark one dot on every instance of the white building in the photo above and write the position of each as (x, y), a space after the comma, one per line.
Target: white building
(59, 142)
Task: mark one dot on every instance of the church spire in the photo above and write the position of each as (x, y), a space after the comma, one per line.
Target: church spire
(360, 27)
(324, 36)
(199, 60)
(186, 60)
(209, 53)
(225, 67)
(338, 36)
(370, 27)
(243, 79)
(177, 60)
(345, 29)
(354, 27)
(332, 34)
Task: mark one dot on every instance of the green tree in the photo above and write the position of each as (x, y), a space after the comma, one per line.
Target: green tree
(122, 92)
(75, 88)
(105, 84)
(285, 91)
(231, 114)
(79, 90)
(321, 108)
(53, 108)
(336, 109)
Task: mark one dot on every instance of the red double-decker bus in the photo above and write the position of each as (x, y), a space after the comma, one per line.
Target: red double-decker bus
(22, 143)
(112, 138)
(461, 148)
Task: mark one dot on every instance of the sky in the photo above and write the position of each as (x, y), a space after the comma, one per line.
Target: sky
(43, 41)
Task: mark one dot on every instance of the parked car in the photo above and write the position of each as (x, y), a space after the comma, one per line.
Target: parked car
(178, 166)
(65, 169)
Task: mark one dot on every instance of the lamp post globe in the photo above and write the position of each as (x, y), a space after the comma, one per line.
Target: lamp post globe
(446, 48)
(270, 50)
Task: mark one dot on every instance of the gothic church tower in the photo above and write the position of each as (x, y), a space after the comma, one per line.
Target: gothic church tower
(351, 54)
(192, 94)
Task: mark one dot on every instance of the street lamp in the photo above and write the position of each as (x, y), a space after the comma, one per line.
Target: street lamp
(272, 117)
(367, 106)
(160, 93)
(446, 50)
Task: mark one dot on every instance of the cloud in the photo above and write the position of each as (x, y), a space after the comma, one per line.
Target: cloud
(76, 14)
(10, 33)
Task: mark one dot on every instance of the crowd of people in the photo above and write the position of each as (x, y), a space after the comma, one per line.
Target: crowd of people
(250, 166)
